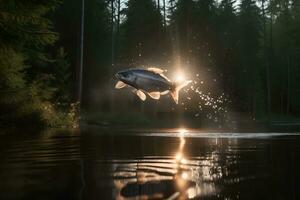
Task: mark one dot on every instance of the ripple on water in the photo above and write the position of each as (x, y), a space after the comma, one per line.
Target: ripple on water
(140, 166)
(42, 151)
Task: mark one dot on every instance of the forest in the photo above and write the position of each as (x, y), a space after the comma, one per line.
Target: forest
(58, 57)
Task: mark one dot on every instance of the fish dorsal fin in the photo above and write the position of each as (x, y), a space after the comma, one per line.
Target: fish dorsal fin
(162, 75)
(120, 85)
(165, 92)
(141, 95)
(159, 71)
(154, 95)
(156, 70)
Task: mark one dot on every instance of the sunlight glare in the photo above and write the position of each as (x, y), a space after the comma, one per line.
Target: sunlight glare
(183, 161)
(178, 156)
(179, 76)
(182, 130)
(184, 175)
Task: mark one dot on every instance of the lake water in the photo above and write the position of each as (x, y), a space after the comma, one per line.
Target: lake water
(159, 164)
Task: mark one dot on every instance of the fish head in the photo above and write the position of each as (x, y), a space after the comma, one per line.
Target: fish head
(125, 76)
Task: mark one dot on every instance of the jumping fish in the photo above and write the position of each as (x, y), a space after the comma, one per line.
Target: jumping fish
(151, 81)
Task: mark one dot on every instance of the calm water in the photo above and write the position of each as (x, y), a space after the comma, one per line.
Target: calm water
(100, 164)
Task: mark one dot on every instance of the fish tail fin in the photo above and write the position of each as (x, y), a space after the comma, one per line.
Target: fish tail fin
(175, 92)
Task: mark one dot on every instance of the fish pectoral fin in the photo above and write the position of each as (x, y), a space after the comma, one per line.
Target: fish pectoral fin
(141, 95)
(154, 95)
(156, 70)
(120, 85)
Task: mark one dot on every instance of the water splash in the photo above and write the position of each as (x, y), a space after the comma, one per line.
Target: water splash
(200, 99)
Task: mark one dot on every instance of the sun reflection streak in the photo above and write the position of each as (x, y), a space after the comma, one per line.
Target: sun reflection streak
(178, 157)
(182, 131)
(185, 173)
(182, 176)
(183, 161)
(186, 177)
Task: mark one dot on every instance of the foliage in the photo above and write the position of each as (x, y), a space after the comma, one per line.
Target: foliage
(141, 29)
(26, 91)
(97, 42)
(250, 32)
(62, 75)
(252, 47)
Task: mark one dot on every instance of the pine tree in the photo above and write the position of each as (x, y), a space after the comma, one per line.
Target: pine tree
(251, 84)
(227, 55)
(194, 31)
(183, 18)
(25, 78)
(97, 42)
(143, 29)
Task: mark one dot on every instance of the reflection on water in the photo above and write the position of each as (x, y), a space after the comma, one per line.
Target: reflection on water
(175, 177)
(169, 177)
(98, 165)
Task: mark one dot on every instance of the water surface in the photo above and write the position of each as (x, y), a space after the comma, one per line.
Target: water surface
(168, 164)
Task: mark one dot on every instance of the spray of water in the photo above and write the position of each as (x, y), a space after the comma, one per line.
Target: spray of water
(199, 99)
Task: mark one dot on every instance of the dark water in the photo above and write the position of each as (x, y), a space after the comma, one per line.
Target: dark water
(102, 164)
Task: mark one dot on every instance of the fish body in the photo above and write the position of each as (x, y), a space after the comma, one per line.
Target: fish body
(151, 81)
(148, 81)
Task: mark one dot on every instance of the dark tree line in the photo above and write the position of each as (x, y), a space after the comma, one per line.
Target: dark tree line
(251, 47)
(34, 76)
